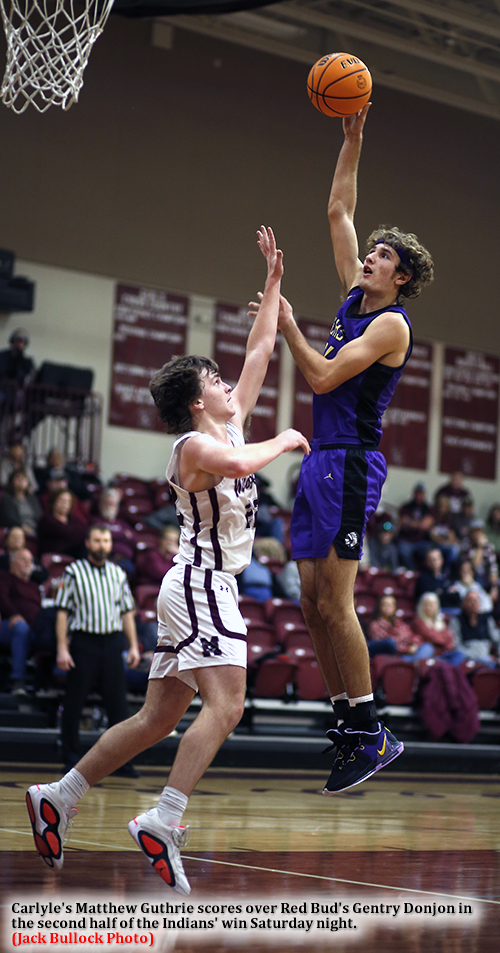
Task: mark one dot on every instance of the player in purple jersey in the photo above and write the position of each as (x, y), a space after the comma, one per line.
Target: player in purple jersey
(202, 644)
(341, 480)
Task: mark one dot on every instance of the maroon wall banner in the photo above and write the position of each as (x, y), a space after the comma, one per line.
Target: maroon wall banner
(470, 413)
(316, 336)
(405, 423)
(232, 327)
(149, 329)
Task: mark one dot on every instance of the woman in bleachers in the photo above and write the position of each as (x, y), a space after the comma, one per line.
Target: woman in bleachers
(19, 507)
(431, 625)
(390, 635)
(58, 530)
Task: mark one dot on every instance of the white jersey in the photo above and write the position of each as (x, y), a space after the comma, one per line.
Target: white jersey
(217, 525)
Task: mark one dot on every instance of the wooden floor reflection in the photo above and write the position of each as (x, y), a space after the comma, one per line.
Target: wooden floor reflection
(271, 836)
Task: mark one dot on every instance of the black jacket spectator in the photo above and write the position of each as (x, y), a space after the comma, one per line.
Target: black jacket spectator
(14, 365)
(434, 579)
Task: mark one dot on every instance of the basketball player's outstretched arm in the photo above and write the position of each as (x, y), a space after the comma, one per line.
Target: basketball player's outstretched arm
(207, 455)
(342, 202)
(262, 337)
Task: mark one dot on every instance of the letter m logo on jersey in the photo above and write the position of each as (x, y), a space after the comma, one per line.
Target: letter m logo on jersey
(210, 648)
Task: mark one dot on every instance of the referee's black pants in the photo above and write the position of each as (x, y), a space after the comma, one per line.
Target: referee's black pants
(98, 665)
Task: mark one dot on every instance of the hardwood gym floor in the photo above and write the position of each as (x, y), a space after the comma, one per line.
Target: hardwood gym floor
(269, 837)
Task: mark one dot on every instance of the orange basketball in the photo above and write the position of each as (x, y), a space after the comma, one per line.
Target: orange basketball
(339, 84)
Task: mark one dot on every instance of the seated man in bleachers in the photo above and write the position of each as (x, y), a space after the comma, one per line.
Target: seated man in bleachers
(476, 634)
(152, 564)
(123, 536)
(74, 480)
(382, 547)
(14, 540)
(415, 521)
(434, 578)
(24, 622)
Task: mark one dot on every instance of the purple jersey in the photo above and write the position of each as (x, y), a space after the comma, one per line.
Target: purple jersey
(351, 414)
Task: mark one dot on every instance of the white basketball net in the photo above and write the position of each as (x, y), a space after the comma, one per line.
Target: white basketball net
(48, 46)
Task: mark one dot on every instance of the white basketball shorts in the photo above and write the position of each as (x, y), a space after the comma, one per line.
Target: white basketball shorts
(199, 623)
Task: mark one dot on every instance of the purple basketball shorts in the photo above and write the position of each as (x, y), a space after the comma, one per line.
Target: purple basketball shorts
(338, 491)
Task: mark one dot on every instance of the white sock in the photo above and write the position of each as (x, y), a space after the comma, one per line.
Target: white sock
(360, 700)
(338, 698)
(71, 787)
(171, 806)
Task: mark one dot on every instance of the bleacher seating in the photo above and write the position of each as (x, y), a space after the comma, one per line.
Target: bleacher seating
(281, 658)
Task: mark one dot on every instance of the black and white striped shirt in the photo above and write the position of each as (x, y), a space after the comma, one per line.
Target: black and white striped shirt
(95, 596)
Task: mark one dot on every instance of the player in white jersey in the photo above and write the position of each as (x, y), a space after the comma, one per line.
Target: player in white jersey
(202, 634)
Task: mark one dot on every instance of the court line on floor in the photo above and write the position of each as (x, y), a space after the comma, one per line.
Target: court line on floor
(341, 880)
(74, 840)
(290, 873)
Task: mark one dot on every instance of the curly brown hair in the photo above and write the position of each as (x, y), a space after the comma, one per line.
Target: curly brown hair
(418, 256)
(176, 386)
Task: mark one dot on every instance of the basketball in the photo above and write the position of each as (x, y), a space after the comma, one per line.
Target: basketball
(339, 84)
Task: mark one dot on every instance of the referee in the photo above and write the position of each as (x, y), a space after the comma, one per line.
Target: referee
(94, 608)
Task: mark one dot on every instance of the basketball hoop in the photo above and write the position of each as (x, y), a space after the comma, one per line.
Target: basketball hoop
(48, 46)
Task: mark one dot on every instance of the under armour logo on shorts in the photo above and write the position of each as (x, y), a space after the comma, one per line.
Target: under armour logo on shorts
(351, 540)
(210, 648)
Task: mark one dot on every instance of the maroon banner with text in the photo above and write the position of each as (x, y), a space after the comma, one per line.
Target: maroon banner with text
(316, 336)
(149, 329)
(470, 413)
(232, 327)
(405, 423)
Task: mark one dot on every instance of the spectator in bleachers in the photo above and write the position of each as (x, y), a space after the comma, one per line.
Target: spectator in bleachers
(14, 364)
(59, 531)
(15, 459)
(123, 536)
(56, 461)
(434, 578)
(14, 541)
(454, 490)
(257, 580)
(23, 619)
(152, 564)
(482, 555)
(415, 521)
(442, 532)
(289, 579)
(165, 516)
(57, 480)
(467, 582)
(492, 528)
(383, 549)
(268, 523)
(462, 520)
(388, 634)
(19, 507)
(431, 625)
(476, 634)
